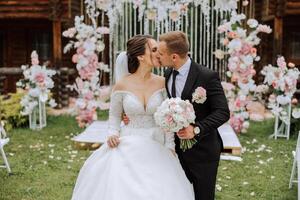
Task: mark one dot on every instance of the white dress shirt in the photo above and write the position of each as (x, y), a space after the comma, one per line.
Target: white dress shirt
(180, 78)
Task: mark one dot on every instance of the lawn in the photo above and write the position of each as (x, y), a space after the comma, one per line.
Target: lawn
(45, 165)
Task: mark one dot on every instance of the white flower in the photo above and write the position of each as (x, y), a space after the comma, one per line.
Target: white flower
(219, 54)
(283, 100)
(252, 23)
(235, 44)
(43, 97)
(296, 113)
(35, 92)
(226, 5)
(52, 103)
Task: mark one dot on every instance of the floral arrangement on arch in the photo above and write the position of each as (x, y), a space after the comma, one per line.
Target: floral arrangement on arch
(159, 11)
(88, 42)
(37, 84)
(240, 44)
(283, 81)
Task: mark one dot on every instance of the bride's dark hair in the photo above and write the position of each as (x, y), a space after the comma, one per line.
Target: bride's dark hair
(136, 46)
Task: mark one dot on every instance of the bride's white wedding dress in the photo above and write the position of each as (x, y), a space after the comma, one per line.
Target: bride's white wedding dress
(142, 167)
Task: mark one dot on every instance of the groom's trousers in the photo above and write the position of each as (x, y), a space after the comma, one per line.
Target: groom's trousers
(201, 169)
(203, 177)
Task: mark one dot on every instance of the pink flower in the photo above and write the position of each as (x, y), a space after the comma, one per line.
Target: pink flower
(264, 28)
(225, 41)
(236, 123)
(85, 117)
(253, 51)
(93, 58)
(199, 96)
(232, 34)
(281, 62)
(291, 65)
(75, 58)
(34, 61)
(169, 119)
(246, 48)
(294, 101)
(40, 77)
(80, 50)
(234, 78)
(89, 95)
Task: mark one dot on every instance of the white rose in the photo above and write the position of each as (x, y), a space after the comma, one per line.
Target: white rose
(296, 113)
(252, 23)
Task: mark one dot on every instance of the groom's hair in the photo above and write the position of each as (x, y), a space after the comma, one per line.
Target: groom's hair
(177, 42)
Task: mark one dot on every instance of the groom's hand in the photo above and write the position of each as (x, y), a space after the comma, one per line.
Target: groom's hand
(186, 133)
(125, 119)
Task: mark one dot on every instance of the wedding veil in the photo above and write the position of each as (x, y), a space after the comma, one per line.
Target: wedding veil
(121, 67)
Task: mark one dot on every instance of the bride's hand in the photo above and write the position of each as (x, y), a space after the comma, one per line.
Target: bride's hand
(113, 141)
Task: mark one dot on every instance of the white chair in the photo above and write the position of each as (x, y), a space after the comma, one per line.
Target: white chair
(3, 141)
(296, 164)
(282, 127)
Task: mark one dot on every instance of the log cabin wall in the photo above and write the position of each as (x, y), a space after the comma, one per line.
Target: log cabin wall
(27, 25)
(284, 18)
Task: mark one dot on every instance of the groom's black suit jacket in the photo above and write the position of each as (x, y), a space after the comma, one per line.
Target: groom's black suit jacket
(209, 116)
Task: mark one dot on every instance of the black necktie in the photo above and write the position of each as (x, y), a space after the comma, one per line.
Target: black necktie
(175, 73)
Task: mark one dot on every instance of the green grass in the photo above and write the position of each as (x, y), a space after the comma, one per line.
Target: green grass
(39, 176)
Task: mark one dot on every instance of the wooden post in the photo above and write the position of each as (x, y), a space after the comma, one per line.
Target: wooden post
(278, 31)
(57, 54)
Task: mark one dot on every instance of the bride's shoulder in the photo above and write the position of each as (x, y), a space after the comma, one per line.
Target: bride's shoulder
(159, 79)
(121, 84)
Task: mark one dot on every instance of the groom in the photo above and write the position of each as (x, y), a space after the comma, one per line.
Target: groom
(183, 77)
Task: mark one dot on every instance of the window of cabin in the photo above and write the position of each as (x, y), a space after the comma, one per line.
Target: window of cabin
(295, 44)
(41, 42)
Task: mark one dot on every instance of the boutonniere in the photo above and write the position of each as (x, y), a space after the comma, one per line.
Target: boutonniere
(199, 96)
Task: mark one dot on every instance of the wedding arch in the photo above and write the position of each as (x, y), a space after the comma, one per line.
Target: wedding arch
(198, 18)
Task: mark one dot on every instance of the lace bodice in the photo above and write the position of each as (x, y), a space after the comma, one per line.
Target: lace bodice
(141, 116)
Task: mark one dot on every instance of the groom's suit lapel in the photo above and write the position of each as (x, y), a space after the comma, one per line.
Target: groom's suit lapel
(190, 81)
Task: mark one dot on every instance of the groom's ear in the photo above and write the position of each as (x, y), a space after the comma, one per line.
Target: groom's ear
(174, 57)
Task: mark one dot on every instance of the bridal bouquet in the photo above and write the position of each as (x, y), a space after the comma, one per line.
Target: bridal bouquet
(174, 114)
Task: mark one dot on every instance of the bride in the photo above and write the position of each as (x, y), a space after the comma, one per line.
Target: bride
(138, 162)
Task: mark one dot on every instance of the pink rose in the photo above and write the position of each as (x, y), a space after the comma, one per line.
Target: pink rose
(34, 61)
(294, 101)
(89, 95)
(232, 34)
(169, 119)
(225, 41)
(246, 48)
(236, 123)
(75, 58)
(291, 65)
(80, 50)
(40, 77)
(253, 51)
(201, 92)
